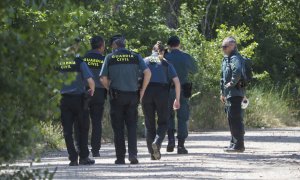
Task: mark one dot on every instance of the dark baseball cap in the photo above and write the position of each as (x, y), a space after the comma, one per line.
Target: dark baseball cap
(173, 41)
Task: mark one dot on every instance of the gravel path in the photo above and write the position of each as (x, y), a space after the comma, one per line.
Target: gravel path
(270, 154)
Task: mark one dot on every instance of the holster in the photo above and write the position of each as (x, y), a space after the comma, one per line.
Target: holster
(187, 89)
(113, 94)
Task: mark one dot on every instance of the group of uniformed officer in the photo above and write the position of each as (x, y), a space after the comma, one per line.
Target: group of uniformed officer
(159, 82)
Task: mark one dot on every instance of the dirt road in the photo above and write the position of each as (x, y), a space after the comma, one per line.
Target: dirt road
(270, 154)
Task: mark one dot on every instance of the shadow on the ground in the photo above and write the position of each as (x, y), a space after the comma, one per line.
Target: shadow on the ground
(136, 171)
(200, 159)
(165, 169)
(278, 139)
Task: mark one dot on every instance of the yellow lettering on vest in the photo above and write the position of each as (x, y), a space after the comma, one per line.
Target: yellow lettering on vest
(122, 59)
(154, 59)
(93, 61)
(65, 66)
(93, 64)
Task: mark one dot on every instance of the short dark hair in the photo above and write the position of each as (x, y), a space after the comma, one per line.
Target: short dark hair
(118, 39)
(96, 42)
(173, 41)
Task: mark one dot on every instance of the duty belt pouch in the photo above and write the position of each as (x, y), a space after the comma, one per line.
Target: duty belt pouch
(187, 90)
(113, 94)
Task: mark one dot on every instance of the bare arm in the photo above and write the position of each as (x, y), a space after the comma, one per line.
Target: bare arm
(105, 82)
(176, 104)
(147, 77)
(177, 88)
(91, 83)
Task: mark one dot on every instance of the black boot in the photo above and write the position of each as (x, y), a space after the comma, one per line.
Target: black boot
(73, 163)
(86, 161)
(120, 161)
(96, 154)
(171, 142)
(133, 160)
(180, 148)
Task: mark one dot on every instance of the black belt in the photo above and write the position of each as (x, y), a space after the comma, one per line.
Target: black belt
(72, 95)
(124, 92)
(87, 88)
(182, 85)
(155, 84)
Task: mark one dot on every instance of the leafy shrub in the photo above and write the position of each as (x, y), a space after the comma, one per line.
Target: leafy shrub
(25, 173)
(52, 136)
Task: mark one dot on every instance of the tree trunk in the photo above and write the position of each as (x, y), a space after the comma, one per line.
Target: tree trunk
(172, 17)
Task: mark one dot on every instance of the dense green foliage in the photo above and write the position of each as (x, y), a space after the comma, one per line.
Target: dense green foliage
(33, 34)
(24, 173)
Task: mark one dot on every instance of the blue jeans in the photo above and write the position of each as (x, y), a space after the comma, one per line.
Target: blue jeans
(183, 115)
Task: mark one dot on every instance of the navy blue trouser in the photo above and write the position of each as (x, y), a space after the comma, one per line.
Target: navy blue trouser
(95, 113)
(123, 111)
(96, 108)
(182, 115)
(72, 112)
(156, 101)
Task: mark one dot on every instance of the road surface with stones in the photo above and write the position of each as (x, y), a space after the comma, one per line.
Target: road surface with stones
(270, 154)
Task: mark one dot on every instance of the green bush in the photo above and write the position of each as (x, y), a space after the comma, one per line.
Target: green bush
(25, 173)
(266, 109)
(52, 136)
(207, 112)
(270, 106)
(35, 32)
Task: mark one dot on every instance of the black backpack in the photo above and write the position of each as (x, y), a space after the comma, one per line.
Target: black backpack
(247, 71)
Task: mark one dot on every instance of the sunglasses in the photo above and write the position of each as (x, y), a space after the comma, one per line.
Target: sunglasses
(224, 47)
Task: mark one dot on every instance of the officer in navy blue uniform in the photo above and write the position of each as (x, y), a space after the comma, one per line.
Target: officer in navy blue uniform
(184, 65)
(156, 99)
(72, 108)
(94, 59)
(119, 74)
